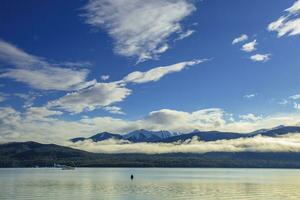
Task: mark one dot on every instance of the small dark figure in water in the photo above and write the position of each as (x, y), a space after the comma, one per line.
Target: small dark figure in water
(131, 177)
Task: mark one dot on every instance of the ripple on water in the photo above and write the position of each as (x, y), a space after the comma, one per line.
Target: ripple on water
(178, 184)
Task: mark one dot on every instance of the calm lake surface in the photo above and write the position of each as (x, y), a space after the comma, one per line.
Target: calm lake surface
(153, 183)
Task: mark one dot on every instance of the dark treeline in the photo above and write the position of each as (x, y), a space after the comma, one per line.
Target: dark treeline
(32, 154)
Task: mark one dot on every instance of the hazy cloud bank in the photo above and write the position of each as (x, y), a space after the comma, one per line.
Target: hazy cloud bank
(286, 143)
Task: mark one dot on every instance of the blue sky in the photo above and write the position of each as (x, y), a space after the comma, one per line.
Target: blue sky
(70, 69)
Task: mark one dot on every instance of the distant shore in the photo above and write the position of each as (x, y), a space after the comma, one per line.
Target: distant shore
(32, 154)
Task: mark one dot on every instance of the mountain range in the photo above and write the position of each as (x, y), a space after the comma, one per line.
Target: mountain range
(31, 154)
(170, 137)
(134, 136)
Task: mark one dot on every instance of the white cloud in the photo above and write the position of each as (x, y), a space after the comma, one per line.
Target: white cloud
(50, 78)
(290, 28)
(28, 98)
(248, 96)
(114, 110)
(102, 95)
(295, 97)
(42, 125)
(239, 39)
(185, 34)
(139, 28)
(283, 102)
(250, 117)
(158, 72)
(260, 57)
(276, 25)
(288, 24)
(206, 119)
(96, 96)
(287, 143)
(104, 77)
(40, 113)
(38, 126)
(37, 72)
(294, 8)
(292, 100)
(296, 106)
(249, 47)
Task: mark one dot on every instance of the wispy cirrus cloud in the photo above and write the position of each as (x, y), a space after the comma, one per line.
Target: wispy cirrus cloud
(288, 24)
(139, 28)
(185, 34)
(248, 96)
(158, 72)
(102, 95)
(39, 73)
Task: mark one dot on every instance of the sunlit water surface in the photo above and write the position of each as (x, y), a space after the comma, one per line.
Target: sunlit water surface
(153, 183)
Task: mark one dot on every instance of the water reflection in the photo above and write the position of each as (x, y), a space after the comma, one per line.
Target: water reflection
(113, 183)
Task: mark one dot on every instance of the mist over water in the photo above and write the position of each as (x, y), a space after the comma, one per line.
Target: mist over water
(285, 143)
(148, 184)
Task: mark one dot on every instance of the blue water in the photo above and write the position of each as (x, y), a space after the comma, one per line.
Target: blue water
(153, 183)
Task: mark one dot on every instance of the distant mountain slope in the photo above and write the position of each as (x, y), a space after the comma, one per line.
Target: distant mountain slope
(281, 130)
(31, 154)
(205, 136)
(105, 136)
(216, 135)
(266, 130)
(134, 136)
(147, 136)
(98, 137)
(27, 154)
(27, 149)
(168, 137)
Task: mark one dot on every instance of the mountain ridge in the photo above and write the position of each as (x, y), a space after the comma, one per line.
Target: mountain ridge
(143, 135)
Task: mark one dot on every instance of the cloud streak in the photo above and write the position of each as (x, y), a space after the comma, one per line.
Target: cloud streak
(37, 72)
(288, 24)
(157, 73)
(91, 98)
(139, 28)
(248, 96)
(105, 94)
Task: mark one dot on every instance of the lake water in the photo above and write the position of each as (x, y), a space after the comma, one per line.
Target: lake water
(152, 183)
